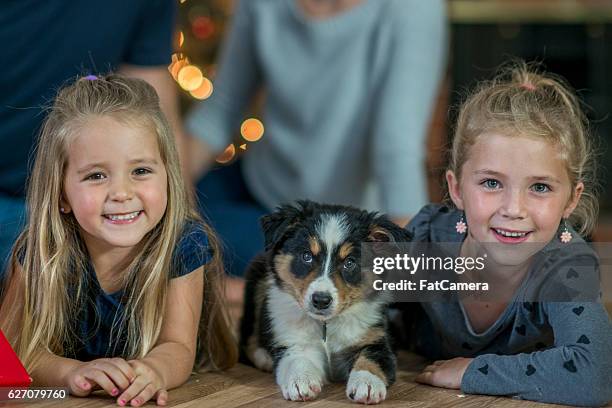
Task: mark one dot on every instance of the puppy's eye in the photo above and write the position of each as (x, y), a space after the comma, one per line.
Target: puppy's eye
(350, 273)
(307, 256)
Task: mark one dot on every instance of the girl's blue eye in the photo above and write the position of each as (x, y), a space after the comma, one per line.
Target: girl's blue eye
(540, 188)
(142, 171)
(95, 176)
(491, 184)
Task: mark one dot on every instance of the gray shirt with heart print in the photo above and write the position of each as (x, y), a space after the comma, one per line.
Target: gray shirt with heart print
(547, 351)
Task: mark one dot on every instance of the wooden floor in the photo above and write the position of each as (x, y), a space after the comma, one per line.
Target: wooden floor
(247, 387)
(244, 386)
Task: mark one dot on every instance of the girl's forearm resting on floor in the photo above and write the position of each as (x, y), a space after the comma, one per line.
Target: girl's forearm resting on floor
(173, 361)
(81, 378)
(52, 370)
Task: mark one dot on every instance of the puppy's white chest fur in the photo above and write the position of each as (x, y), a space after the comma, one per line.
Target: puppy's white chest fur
(292, 327)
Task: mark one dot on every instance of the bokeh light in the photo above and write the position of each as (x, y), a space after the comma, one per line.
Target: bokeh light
(203, 27)
(227, 155)
(204, 91)
(178, 62)
(252, 129)
(181, 39)
(190, 77)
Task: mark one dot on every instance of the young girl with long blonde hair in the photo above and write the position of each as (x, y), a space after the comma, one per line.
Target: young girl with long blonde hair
(115, 282)
(521, 178)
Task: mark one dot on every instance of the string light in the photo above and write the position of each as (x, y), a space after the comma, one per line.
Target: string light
(178, 62)
(252, 130)
(192, 79)
(204, 91)
(203, 27)
(227, 155)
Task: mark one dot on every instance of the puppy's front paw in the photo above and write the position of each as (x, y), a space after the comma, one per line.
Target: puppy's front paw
(365, 387)
(300, 386)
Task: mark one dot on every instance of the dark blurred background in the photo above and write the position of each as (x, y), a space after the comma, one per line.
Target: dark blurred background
(571, 38)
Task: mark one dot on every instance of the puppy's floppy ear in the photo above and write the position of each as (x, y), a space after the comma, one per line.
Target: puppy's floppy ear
(276, 225)
(384, 230)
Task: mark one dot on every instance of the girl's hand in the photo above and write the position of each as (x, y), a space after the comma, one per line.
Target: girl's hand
(147, 384)
(113, 375)
(445, 373)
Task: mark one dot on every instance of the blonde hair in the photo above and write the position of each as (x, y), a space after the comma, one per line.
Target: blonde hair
(52, 254)
(521, 100)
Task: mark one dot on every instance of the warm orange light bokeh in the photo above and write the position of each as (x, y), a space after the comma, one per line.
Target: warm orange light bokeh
(204, 91)
(252, 129)
(177, 63)
(227, 155)
(190, 77)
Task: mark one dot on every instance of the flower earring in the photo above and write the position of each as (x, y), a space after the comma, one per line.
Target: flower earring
(461, 226)
(565, 236)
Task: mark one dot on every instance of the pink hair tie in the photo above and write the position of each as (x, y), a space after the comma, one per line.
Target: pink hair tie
(529, 86)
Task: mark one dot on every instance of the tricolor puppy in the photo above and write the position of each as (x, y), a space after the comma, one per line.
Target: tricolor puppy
(310, 312)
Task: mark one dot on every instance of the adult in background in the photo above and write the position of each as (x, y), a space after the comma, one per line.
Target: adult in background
(45, 44)
(350, 88)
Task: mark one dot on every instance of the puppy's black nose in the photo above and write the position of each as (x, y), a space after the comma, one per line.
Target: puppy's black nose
(321, 300)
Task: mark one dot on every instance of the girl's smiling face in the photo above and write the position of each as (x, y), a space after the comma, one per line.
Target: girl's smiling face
(513, 190)
(115, 183)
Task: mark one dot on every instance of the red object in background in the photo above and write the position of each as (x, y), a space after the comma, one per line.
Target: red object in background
(203, 27)
(12, 373)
